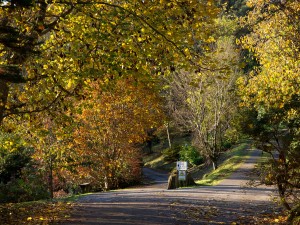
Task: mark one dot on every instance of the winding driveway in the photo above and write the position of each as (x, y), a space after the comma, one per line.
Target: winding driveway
(230, 202)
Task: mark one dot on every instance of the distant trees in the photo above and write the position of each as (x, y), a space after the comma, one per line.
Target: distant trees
(204, 102)
(237, 7)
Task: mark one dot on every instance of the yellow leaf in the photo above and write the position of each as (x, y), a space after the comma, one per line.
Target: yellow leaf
(29, 218)
(69, 84)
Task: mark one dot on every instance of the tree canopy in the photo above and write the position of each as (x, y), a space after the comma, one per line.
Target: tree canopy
(53, 46)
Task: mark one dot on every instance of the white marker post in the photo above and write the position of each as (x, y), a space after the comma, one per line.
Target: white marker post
(182, 168)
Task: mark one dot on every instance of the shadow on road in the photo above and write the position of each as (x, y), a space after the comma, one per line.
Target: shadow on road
(229, 202)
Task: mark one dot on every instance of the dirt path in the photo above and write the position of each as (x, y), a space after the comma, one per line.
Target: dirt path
(230, 202)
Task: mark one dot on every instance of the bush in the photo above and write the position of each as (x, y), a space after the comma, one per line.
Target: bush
(227, 144)
(190, 154)
(171, 154)
(20, 179)
(12, 162)
(20, 190)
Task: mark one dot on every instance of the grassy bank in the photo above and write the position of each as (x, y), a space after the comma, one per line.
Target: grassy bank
(228, 163)
(232, 161)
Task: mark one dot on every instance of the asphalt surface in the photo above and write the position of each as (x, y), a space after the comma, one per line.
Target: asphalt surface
(230, 202)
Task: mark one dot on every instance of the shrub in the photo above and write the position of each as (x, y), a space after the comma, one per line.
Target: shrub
(171, 154)
(20, 179)
(227, 144)
(190, 154)
(20, 190)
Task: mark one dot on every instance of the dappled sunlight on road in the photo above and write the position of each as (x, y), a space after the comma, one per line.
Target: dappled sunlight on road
(229, 202)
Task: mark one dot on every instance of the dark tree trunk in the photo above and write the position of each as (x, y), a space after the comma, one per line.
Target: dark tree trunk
(51, 179)
(3, 98)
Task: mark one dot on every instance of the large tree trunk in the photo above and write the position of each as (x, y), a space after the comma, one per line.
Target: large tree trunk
(51, 188)
(10, 74)
(282, 195)
(3, 98)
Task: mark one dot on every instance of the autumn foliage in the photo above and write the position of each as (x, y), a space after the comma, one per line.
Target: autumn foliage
(81, 87)
(110, 125)
(270, 93)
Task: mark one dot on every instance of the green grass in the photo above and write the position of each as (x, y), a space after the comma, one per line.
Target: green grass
(230, 161)
(160, 163)
(233, 160)
(155, 162)
(72, 198)
(156, 159)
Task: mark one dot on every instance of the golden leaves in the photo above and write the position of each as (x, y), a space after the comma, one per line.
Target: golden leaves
(34, 212)
(273, 43)
(112, 121)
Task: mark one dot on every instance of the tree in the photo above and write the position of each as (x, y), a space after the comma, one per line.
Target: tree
(41, 43)
(23, 28)
(203, 103)
(50, 138)
(271, 90)
(112, 122)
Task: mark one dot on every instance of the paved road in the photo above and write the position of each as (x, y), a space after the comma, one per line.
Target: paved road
(230, 201)
(157, 178)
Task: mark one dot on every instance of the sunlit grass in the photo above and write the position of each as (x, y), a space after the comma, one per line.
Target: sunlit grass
(155, 162)
(234, 158)
(73, 198)
(160, 163)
